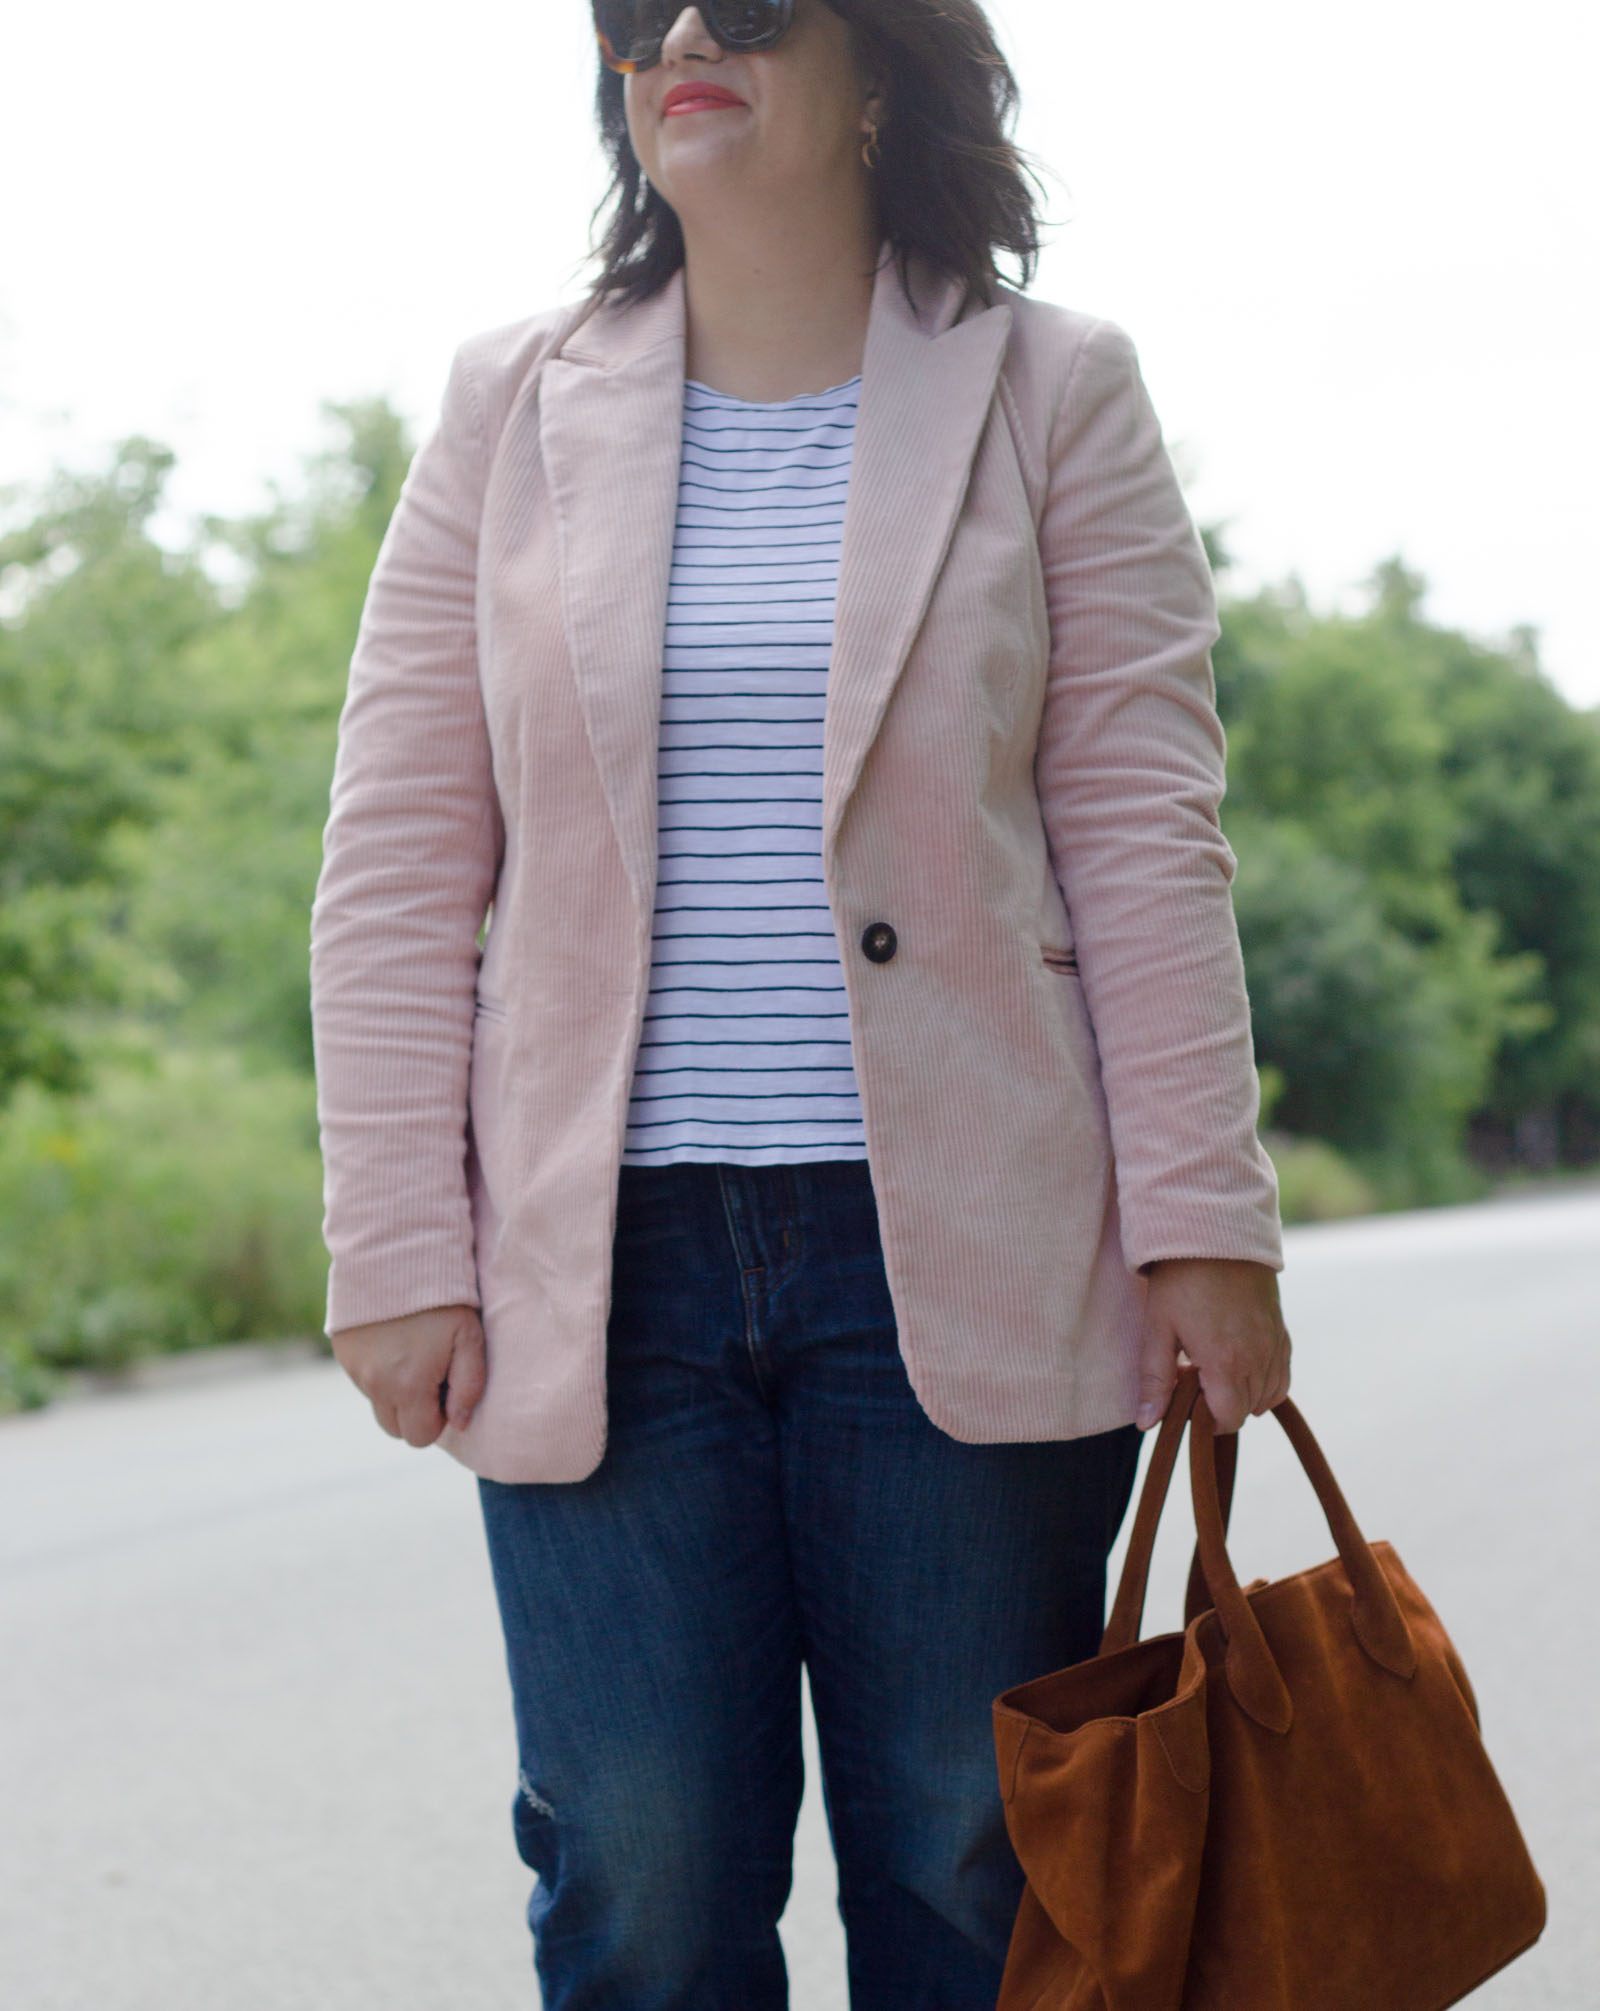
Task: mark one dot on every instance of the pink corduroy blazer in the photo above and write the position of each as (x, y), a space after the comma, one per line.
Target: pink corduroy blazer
(1022, 770)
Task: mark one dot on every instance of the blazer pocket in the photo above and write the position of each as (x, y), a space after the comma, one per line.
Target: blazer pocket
(1065, 961)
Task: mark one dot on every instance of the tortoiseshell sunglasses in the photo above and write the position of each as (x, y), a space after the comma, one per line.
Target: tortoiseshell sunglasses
(631, 32)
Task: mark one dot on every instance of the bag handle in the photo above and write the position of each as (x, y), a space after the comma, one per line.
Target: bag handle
(1375, 1616)
(1127, 1614)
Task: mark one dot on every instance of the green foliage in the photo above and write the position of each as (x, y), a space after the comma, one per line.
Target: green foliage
(97, 621)
(164, 756)
(227, 873)
(1382, 1043)
(165, 753)
(177, 1202)
(1377, 768)
(1523, 772)
(1315, 1183)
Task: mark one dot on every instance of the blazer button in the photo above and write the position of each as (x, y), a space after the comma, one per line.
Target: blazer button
(878, 942)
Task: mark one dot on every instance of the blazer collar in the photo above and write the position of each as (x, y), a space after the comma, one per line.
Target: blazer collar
(611, 416)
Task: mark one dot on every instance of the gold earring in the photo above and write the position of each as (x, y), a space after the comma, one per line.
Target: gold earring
(870, 152)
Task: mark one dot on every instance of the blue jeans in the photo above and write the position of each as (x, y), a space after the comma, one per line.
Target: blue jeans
(773, 1494)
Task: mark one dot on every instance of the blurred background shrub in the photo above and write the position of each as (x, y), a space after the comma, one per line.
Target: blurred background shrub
(1417, 821)
(174, 1203)
(1416, 816)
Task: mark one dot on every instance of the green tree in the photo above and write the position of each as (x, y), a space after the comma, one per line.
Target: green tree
(1381, 989)
(97, 622)
(227, 874)
(1523, 771)
(164, 764)
(1383, 1043)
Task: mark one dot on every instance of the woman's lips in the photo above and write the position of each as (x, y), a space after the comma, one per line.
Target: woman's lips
(699, 98)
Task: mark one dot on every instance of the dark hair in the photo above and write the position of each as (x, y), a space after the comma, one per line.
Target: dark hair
(950, 186)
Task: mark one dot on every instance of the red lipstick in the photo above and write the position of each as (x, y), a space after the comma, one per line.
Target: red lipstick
(699, 97)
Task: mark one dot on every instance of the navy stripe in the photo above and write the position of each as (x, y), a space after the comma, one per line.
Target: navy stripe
(698, 431)
(740, 992)
(822, 1040)
(761, 485)
(713, 1123)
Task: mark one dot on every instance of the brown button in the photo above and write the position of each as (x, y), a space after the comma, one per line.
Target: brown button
(879, 942)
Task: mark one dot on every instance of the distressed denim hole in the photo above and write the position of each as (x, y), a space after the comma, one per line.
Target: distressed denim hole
(531, 1795)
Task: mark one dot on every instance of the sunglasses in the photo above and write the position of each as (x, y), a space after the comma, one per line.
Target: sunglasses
(631, 32)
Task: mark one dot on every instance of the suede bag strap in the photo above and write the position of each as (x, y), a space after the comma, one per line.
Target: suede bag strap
(1375, 1617)
(1127, 1613)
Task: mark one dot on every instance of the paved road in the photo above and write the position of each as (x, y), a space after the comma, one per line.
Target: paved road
(254, 1732)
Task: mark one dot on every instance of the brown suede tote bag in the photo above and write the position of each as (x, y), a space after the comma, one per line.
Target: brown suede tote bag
(1286, 1807)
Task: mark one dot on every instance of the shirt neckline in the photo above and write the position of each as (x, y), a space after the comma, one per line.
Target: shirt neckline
(772, 404)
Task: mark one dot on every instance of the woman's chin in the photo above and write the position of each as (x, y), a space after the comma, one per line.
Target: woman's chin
(701, 161)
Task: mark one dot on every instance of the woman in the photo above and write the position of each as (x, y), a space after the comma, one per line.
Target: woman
(802, 648)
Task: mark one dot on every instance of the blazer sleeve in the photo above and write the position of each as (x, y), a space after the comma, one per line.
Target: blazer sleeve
(1130, 777)
(411, 853)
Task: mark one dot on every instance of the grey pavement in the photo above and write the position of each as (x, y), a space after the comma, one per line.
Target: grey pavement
(255, 1744)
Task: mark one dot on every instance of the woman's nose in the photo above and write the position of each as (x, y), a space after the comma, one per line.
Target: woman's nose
(688, 36)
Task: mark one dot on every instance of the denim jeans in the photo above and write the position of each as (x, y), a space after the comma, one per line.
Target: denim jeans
(771, 1495)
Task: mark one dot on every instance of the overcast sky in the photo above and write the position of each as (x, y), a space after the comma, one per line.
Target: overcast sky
(1357, 247)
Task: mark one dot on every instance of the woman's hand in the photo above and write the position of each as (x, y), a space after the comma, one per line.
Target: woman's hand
(1223, 1313)
(418, 1372)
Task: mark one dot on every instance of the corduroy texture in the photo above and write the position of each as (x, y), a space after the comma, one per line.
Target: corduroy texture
(1287, 1807)
(1022, 771)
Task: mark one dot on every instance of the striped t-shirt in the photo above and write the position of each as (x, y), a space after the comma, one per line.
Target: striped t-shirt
(745, 1049)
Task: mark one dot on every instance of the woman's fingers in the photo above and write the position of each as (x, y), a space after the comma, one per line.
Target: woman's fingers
(1228, 1404)
(469, 1368)
(1158, 1367)
(421, 1407)
(1278, 1380)
(1224, 1312)
(1274, 1379)
(407, 1368)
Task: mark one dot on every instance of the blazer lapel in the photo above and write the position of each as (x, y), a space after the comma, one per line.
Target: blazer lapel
(926, 387)
(611, 419)
(611, 416)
